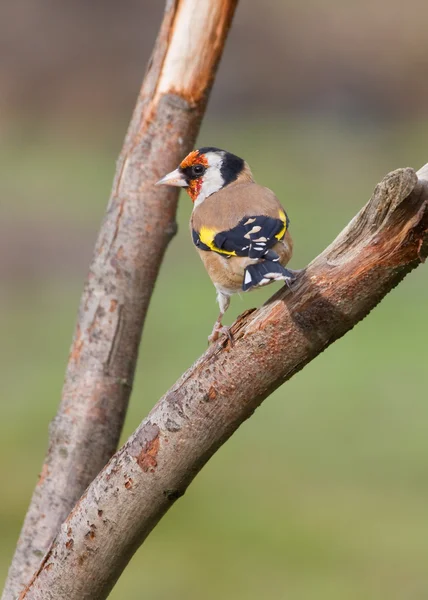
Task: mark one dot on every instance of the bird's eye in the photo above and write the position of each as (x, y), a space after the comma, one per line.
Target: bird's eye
(198, 170)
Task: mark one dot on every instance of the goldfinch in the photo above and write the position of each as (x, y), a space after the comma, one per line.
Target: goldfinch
(239, 228)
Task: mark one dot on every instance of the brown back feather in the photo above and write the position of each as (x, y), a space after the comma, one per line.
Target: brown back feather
(225, 208)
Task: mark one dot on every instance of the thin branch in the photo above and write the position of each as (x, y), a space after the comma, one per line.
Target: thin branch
(386, 240)
(139, 223)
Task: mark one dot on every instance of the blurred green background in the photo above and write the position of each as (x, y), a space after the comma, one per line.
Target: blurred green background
(323, 492)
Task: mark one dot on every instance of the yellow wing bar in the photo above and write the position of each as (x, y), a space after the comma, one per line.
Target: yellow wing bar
(207, 235)
(283, 218)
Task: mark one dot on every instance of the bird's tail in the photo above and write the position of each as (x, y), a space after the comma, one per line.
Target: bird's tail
(265, 272)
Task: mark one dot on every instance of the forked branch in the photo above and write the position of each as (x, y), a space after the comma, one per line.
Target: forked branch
(386, 240)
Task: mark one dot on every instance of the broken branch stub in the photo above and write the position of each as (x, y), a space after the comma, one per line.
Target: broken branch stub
(386, 240)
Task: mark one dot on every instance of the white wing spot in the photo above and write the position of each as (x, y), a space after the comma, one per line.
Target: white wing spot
(255, 229)
(249, 222)
(276, 276)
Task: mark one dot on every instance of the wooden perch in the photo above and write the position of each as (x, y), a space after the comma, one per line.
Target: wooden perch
(139, 223)
(386, 240)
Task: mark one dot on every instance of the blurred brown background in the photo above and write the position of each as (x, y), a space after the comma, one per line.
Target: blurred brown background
(323, 493)
(76, 58)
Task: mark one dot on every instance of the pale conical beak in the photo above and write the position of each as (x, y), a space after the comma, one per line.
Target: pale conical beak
(174, 178)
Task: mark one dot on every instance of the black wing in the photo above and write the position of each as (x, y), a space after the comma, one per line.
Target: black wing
(252, 237)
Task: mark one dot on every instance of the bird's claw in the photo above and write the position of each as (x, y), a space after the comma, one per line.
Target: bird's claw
(218, 331)
(291, 277)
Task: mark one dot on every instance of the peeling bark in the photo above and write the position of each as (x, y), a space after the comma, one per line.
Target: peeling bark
(386, 240)
(139, 223)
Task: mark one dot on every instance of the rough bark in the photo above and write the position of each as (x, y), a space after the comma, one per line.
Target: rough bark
(139, 223)
(386, 240)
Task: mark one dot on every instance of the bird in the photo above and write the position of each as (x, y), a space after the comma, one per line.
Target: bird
(239, 228)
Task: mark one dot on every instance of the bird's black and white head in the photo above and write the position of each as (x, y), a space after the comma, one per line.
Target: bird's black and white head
(206, 171)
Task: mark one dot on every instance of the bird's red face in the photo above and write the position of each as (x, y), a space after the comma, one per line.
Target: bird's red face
(190, 174)
(193, 167)
(204, 172)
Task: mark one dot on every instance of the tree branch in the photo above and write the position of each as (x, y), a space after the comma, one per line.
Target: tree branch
(386, 240)
(139, 223)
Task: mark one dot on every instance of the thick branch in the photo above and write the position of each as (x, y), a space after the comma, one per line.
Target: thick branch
(139, 223)
(379, 247)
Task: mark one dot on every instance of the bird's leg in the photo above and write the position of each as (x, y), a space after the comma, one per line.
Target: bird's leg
(218, 329)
